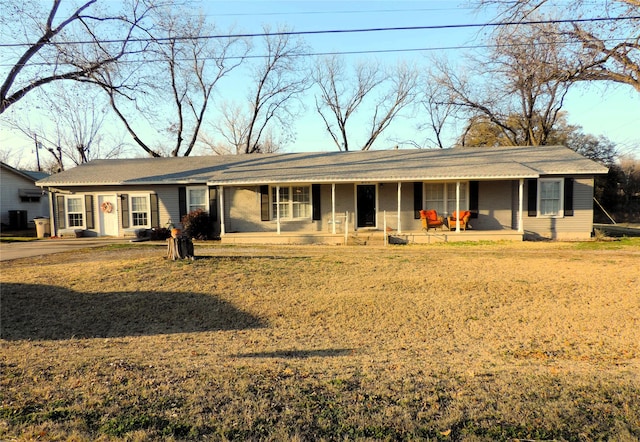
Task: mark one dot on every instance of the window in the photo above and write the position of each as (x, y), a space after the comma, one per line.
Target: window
(294, 202)
(197, 198)
(441, 197)
(75, 211)
(139, 211)
(550, 197)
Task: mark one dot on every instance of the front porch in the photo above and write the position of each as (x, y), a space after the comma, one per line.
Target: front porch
(371, 237)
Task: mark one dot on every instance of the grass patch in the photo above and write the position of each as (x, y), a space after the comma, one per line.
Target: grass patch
(498, 341)
(17, 239)
(607, 243)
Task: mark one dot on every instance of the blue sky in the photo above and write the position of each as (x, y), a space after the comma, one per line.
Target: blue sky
(609, 110)
(601, 109)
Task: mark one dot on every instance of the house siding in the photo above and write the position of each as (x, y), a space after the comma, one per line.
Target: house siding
(168, 209)
(578, 226)
(10, 183)
(495, 205)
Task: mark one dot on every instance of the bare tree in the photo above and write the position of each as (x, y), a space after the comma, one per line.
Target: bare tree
(342, 95)
(277, 82)
(174, 89)
(600, 51)
(524, 76)
(436, 102)
(45, 48)
(72, 129)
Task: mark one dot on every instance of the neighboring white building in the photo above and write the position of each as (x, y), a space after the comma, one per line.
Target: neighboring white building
(20, 199)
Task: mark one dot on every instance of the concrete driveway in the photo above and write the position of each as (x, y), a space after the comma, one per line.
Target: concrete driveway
(26, 249)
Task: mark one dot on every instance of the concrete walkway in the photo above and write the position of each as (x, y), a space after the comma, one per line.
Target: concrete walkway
(26, 249)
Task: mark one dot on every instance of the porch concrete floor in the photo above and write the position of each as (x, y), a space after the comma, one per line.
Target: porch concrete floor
(371, 237)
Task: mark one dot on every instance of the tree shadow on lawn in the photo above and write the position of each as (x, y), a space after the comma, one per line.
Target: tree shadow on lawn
(44, 312)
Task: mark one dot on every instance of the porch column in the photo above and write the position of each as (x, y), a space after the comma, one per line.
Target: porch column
(399, 206)
(520, 205)
(457, 206)
(53, 228)
(221, 199)
(278, 208)
(333, 208)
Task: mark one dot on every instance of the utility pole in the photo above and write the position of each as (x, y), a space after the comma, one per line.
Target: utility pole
(38, 145)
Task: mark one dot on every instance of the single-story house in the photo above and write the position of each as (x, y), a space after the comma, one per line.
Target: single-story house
(511, 192)
(20, 199)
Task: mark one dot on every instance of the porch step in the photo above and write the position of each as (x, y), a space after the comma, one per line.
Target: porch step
(365, 238)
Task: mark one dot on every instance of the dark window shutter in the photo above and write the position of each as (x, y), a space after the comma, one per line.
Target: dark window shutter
(213, 204)
(474, 206)
(315, 197)
(155, 210)
(264, 203)
(124, 201)
(182, 201)
(88, 208)
(417, 199)
(532, 197)
(61, 219)
(568, 196)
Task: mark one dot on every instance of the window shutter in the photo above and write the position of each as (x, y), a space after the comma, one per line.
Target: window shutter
(264, 203)
(474, 206)
(88, 207)
(60, 212)
(568, 196)
(417, 199)
(315, 197)
(213, 204)
(182, 201)
(124, 201)
(532, 197)
(155, 210)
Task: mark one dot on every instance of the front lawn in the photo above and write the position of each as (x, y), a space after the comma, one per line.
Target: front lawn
(505, 341)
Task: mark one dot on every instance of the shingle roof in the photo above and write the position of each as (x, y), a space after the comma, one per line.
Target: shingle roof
(463, 163)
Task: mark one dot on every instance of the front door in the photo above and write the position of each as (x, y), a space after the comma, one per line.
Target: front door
(108, 215)
(366, 205)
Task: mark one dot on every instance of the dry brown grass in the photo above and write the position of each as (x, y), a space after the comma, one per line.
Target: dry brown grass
(448, 342)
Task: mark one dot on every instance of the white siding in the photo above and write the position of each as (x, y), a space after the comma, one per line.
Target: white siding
(10, 183)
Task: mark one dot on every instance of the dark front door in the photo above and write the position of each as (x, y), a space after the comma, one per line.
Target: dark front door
(367, 206)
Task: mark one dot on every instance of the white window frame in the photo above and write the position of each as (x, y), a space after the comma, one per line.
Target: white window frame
(147, 211)
(290, 203)
(190, 207)
(82, 212)
(560, 212)
(446, 198)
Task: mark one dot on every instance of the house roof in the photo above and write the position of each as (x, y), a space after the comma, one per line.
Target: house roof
(462, 163)
(26, 174)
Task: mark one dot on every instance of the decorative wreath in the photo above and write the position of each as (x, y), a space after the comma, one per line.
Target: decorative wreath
(106, 207)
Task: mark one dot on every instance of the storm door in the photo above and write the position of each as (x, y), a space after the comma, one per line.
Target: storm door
(366, 205)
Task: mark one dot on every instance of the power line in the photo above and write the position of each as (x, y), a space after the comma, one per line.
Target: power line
(355, 52)
(342, 31)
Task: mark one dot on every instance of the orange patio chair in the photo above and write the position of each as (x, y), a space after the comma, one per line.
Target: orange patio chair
(463, 220)
(430, 218)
